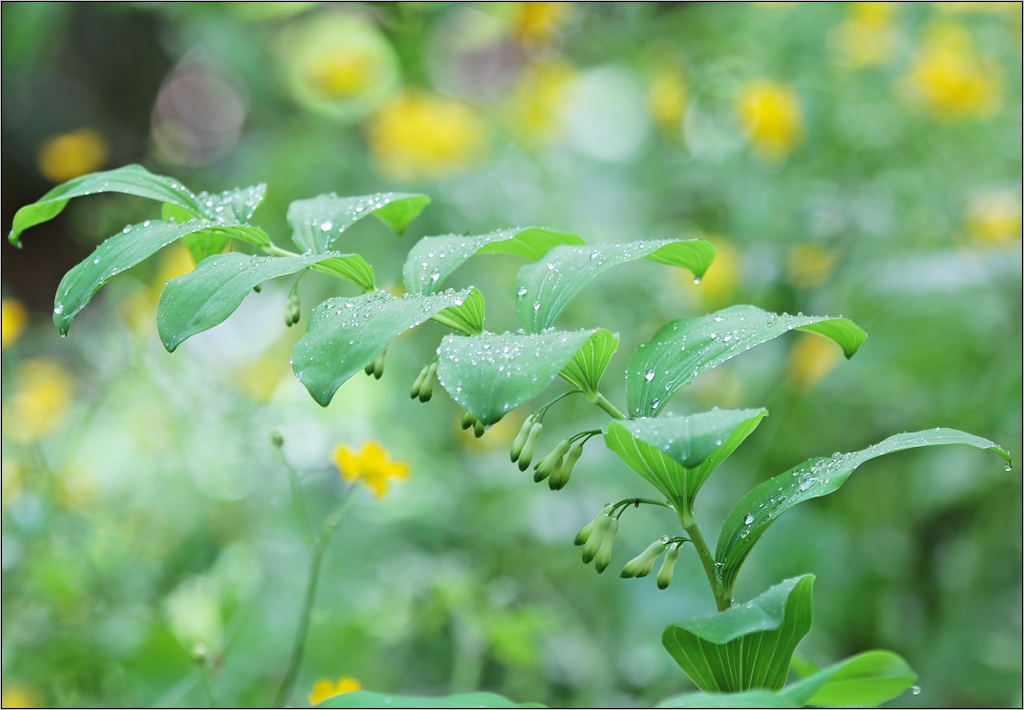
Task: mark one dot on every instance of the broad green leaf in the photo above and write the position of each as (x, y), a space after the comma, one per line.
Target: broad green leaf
(682, 349)
(433, 259)
(867, 679)
(748, 646)
(317, 222)
(199, 244)
(351, 267)
(749, 699)
(130, 180)
(467, 318)
(118, 253)
(817, 477)
(677, 454)
(545, 288)
(232, 206)
(366, 699)
(346, 334)
(490, 375)
(587, 366)
(211, 292)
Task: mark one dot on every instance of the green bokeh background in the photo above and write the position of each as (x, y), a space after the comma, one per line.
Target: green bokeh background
(156, 515)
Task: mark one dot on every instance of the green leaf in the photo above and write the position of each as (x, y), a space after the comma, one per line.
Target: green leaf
(366, 699)
(316, 223)
(346, 334)
(130, 180)
(749, 699)
(211, 292)
(683, 349)
(587, 366)
(200, 244)
(351, 267)
(748, 646)
(545, 288)
(867, 679)
(118, 253)
(433, 259)
(490, 375)
(467, 318)
(814, 478)
(677, 454)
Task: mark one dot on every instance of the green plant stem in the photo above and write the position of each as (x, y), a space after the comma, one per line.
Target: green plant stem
(607, 406)
(316, 558)
(204, 677)
(626, 502)
(275, 250)
(723, 599)
(298, 503)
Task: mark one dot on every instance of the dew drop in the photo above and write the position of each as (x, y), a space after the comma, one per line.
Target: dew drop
(749, 519)
(649, 375)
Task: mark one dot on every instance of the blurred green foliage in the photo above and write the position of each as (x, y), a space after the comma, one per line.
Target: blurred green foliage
(853, 159)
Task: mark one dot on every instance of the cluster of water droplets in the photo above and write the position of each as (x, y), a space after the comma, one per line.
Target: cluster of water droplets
(232, 206)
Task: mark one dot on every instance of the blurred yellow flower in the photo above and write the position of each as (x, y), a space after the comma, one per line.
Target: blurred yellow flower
(342, 66)
(770, 114)
(721, 278)
(867, 37)
(995, 217)
(808, 265)
(20, 696)
(15, 317)
(72, 154)
(811, 359)
(43, 391)
(666, 98)
(369, 467)
(950, 79)
(324, 689)
(421, 135)
(537, 22)
(534, 112)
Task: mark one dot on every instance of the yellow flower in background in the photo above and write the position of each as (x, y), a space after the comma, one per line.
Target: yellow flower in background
(867, 37)
(20, 696)
(534, 112)
(720, 280)
(341, 66)
(369, 467)
(538, 22)
(666, 98)
(15, 318)
(811, 359)
(43, 392)
(72, 154)
(420, 135)
(950, 79)
(808, 265)
(770, 114)
(995, 217)
(324, 689)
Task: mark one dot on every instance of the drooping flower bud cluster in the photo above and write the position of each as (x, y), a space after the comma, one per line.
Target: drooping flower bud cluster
(525, 442)
(468, 420)
(423, 387)
(292, 309)
(597, 538)
(376, 368)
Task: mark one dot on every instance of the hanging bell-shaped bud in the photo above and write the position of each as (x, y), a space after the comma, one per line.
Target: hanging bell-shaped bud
(560, 476)
(520, 441)
(642, 564)
(427, 386)
(378, 366)
(478, 428)
(593, 543)
(276, 439)
(664, 577)
(552, 461)
(604, 553)
(467, 420)
(415, 392)
(292, 310)
(587, 530)
(526, 457)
